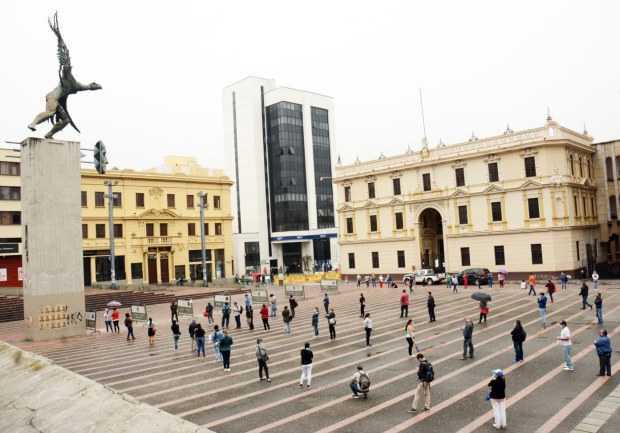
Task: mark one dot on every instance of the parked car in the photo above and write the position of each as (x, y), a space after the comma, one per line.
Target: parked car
(425, 276)
(474, 274)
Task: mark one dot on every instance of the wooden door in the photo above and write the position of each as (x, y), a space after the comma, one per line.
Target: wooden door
(164, 270)
(152, 265)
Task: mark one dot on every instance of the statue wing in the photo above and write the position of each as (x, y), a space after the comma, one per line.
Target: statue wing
(63, 52)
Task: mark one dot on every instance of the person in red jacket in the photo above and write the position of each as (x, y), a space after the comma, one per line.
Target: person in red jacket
(465, 281)
(404, 304)
(116, 315)
(264, 314)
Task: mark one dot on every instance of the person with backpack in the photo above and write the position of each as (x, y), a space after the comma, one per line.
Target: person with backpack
(604, 351)
(468, 335)
(368, 328)
(315, 321)
(191, 330)
(518, 337)
(410, 337)
(209, 313)
(542, 308)
(598, 303)
(426, 375)
(150, 332)
(225, 347)
(497, 396)
(216, 337)
(404, 304)
(237, 310)
(199, 334)
(360, 383)
(362, 305)
(292, 304)
(176, 334)
(326, 303)
(286, 318)
(262, 357)
(331, 321)
(225, 315)
(129, 326)
(264, 315)
(306, 366)
(430, 305)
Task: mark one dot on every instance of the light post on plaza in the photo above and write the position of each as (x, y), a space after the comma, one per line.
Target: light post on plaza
(110, 196)
(202, 203)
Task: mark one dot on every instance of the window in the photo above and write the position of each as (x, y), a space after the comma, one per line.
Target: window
(460, 176)
(500, 259)
(170, 199)
(190, 201)
(321, 152)
(139, 199)
(576, 204)
(10, 193)
(465, 256)
(580, 168)
(400, 258)
(493, 172)
(532, 206)
(8, 168)
(150, 230)
(589, 165)
(571, 162)
(578, 253)
(216, 202)
(537, 258)
(191, 229)
(593, 204)
(163, 229)
(609, 169)
(99, 199)
(373, 223)
(496, 211)
(462, 214)
(100, 231)
(399, 220)
(613, 207)
(396, 186)
(349, 225)
(375, 259)
(206, 228)
(426, 181)
(371, 190)
(84, 198)
(252, 255)
(351, 260)
(10, 218)
(118, 231)
(585, 207)
(117, 199)
(218, 229)
(136, 271)
(530, 166)
(84, 231)
(347, 193)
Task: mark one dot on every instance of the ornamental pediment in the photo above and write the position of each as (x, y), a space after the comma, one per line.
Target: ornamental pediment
(396, 202)
(158, 214)
(459, 193)
(346, 208)
(369, 203)
(493, 189)
(530, 184)
(586, 182)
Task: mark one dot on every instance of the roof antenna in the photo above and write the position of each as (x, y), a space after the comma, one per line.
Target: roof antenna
(424, 140)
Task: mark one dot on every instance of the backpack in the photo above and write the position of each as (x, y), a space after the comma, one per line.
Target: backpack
(240, 310)
(364, 382)
(430, 373)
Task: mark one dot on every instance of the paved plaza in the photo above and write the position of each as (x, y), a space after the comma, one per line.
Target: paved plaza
(542, 397)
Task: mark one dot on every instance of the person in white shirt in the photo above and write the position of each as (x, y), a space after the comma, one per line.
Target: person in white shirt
(368, 328)
(237, 314)
(595, 279)
(565, 341)
(107, 318)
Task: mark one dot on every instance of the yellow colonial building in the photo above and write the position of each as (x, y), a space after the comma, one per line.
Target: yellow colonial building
(523, 201)
(156, 224)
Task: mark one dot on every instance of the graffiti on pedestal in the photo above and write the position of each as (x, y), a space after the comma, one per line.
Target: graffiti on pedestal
(58, 316)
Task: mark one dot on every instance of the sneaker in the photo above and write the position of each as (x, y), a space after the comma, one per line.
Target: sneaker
(301, 385)
(412, 410)
(307, 386)
(427, 408)
(355, 396)
(269, 380)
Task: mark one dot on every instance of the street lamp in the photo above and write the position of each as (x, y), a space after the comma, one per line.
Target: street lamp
(110, 196)
(202, 203)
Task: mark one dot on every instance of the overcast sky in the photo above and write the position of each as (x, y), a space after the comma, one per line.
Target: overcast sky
(162, 65)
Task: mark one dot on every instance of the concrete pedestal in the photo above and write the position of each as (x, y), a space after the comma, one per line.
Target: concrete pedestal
(52, 240)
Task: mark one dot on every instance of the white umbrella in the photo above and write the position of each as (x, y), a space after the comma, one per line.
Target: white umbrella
(114, 304)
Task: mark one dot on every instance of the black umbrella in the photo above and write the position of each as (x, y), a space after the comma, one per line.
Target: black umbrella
(481, 296)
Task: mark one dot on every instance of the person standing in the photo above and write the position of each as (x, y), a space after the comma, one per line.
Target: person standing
(598, 303)
(293, 304)
(550, 289)
(199, 334)
(381, 281)
(583, 292)
(563, 280)
(225, 315)
(423, 391)
(362, 305)
(490, 279)
(595, 279)
(359, 280)
(326, 303)
(286, 318)
(518, 337)
(116, 315)
(151, 331)
(176, 334)
(373, 281)
(174, 311)
(264, 315)
(604, 351)
(237, 314)
(455, 283)
(306, 366)
(410, 337)
(501, 277)
(247, 301)
(191, 330)
(107, 320)
(331, 320)
(249, 316)
(129, 326)
(367, 281)
(209, 313)
(497, 396)
(262, 357)
(368, 328)
(430, 305)
(465, 281)
(523, 285)
(216, 337)
(225, 347)
(484, 310)
(404, 304)
(532, 284)
(274, 306)
(567, 345)
(542, 308)
(468, 339)
(315, 321)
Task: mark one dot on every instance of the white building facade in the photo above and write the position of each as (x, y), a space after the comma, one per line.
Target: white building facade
(280, 144)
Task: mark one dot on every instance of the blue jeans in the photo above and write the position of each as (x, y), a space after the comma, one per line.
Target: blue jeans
(200, 346)
(216, 351)
(599, 315)
(567, 356)
(355, 388)
(287, 328)
(543, 315)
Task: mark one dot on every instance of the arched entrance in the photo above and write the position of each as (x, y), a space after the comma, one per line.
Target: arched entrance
(431, 240)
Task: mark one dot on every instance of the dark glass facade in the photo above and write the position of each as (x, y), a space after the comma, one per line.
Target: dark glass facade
(322, 168)
(287, 167)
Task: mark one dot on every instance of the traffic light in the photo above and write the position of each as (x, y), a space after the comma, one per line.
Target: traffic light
(101, 161)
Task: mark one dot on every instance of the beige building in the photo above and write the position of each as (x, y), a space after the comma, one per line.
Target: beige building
(522, 201)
